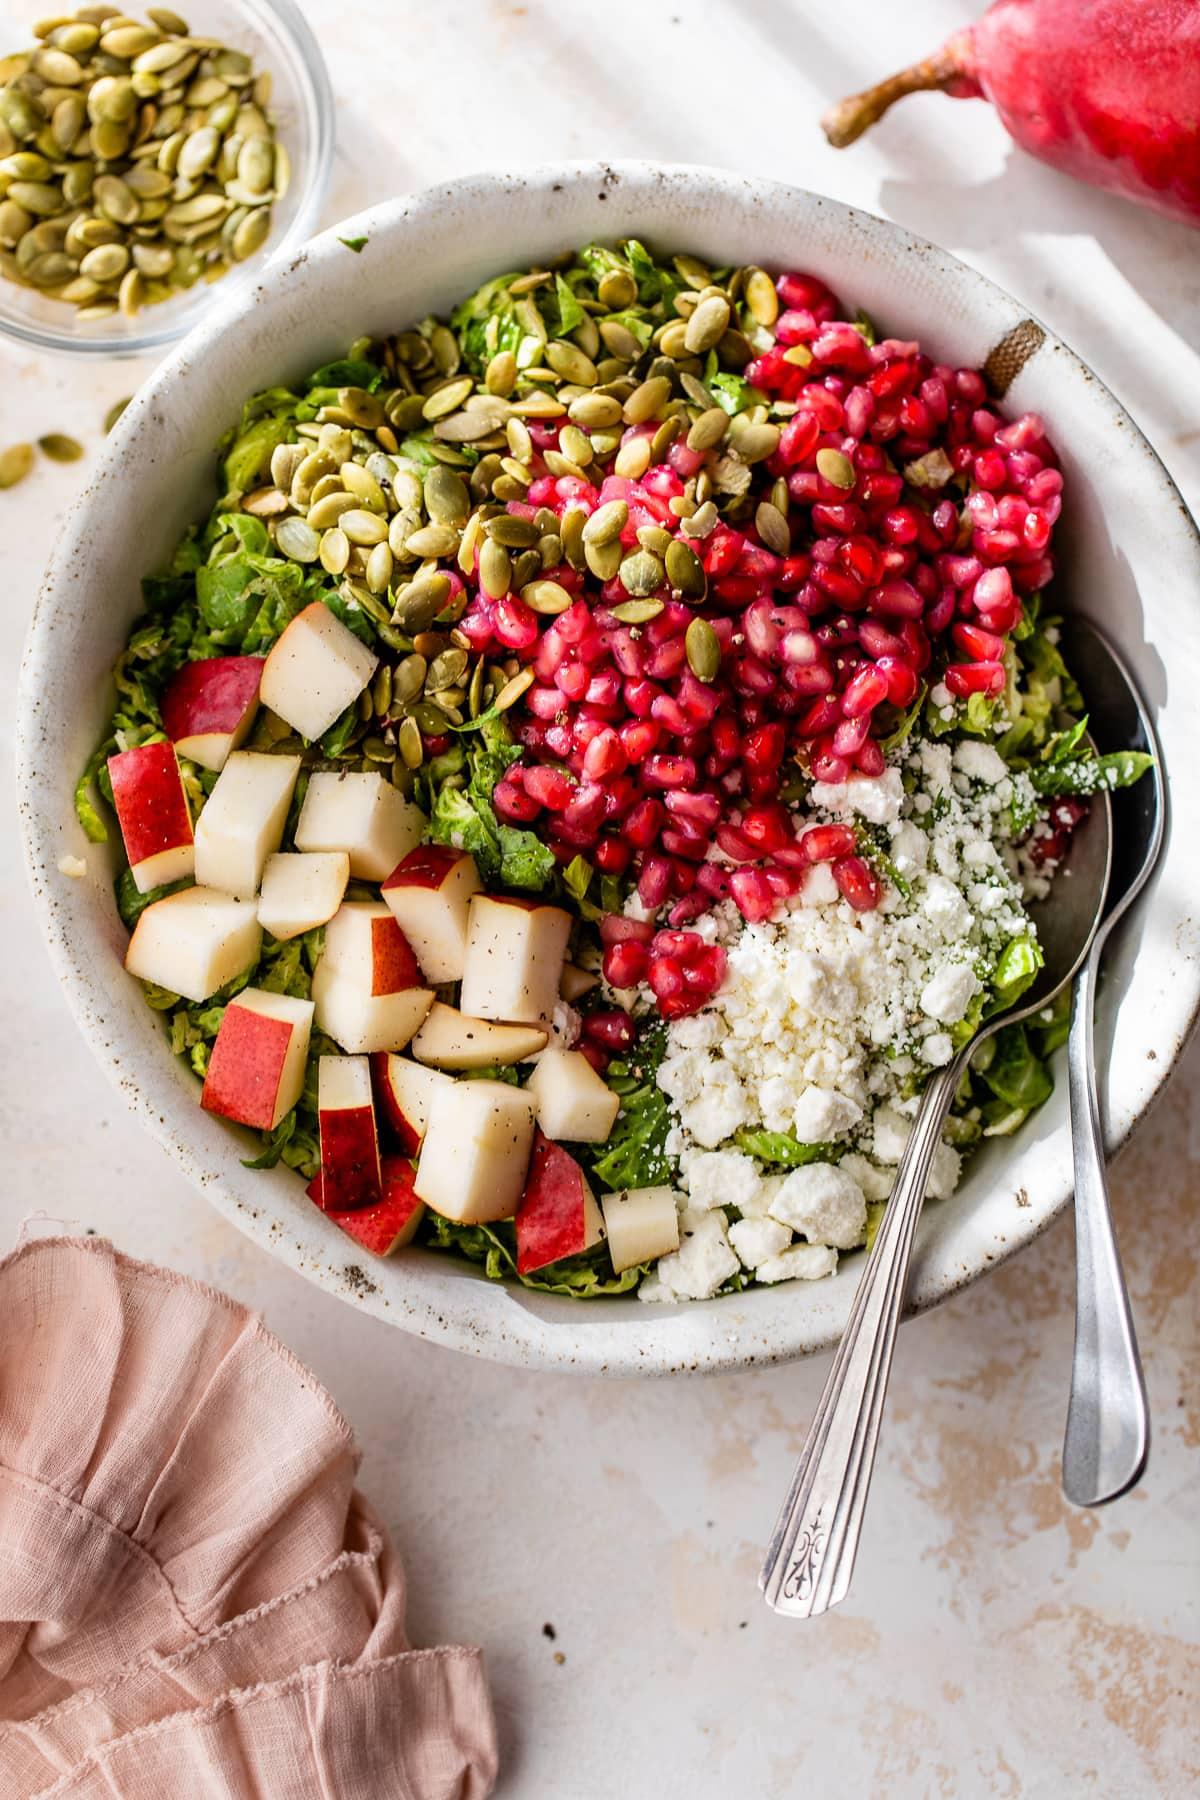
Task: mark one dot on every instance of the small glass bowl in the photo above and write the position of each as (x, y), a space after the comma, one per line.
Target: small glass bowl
(275, 34)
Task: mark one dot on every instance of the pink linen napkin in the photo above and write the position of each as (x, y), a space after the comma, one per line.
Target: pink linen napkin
(194, 1598)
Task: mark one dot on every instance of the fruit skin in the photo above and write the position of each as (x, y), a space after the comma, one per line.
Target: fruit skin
(208, 707)
(1107, 91)
(256, 1068)
(558, 1215)
(389, 1223)
(429, 891)
(152, 811)
(350, 1169)
(404, 1093)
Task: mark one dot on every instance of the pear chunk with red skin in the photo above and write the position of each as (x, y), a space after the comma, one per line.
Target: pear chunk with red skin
(404, 1093)
(350, 1170)
(243, 821)
(193, 942)
(514, 960)
(389, 1223)
(429, 891)
(256, 1068)
(476, 1150)
(449, 1039)
(363, 814)
(573, 1103)
(314, 672)
(367, 985)
(152, 811)
(208, 707)
(643, 1223)
(301, 890)
(558, 1215)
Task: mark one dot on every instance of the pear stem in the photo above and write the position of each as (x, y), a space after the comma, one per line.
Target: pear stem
(846, 121)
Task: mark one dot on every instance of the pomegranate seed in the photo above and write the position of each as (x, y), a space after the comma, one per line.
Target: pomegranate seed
(625, 964)
(975, 678)
(767, 828)
(669, 771)
(825, 843)
(869, 758)
(857, 883)
(654, 881)
(612, 855)
(550, 788)
(514, 623)
(901, 678)
(615, 928)
(978, 644)
(512, 804)
(864, 692)
(612, 1031)
(643, 823)
(752, 894)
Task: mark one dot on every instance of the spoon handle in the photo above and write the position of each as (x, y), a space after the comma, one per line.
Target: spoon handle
(1108, 1427)
(811, 1557)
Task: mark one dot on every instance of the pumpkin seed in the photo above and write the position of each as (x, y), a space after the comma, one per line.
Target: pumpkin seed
(418, 605)
(513, 532)
(446, 670)
(379, 568)
(604, 559)
(495, 569)
(114, 412)
(673, 341)
(15, 464)
(107, 262)
(408, 740)
(298, 541)
(408, 680)
(708, 429)
(335, 550)
(633, 459)
(251, 234)
(41, 198)
(619, 340)
(685, 571)
(799, 355)
(447, 499)
(545, 597)
(571, 363)
(573, 522)
(430, 540)
(641, 574)
(362, 484)
(637, 612)
(501, 375)
(762, 302)
(431, 719)
(836, 468)
(754, 443)
(703, 650)
(616, 290)
(606, 524)
(512, 690)
(446, 399)
(772, 528)
(168, 21)
(704, 520)
(59, 448)
(363, 527)
(647, 400)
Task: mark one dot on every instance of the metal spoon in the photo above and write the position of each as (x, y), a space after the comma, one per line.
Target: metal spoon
(811, 1555)
(1107, 1438)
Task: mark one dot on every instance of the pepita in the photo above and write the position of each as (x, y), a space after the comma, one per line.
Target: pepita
(15, 464)
(762, 302)
(418, 605)
(606, 524)
(685, 571)
(409, 742)
(512, 690)
(545, 597)
(495, 569)
(836, 468)
(702, 647)
(298, 541)
(637, 612)
(641, 574)
(60, 448)
(708, 430)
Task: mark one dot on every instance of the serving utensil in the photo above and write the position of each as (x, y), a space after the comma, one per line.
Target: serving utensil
(811, 1555)
(1107, 1438)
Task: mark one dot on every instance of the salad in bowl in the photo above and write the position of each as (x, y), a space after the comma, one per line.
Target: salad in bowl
(594, 762)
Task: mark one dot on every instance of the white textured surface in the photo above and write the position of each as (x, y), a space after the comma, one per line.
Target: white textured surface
(995, 1642)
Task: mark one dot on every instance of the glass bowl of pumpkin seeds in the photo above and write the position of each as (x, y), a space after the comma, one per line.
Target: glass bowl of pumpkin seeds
(150, 162)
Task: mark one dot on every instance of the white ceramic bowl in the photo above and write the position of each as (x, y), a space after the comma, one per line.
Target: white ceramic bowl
(1129, 555)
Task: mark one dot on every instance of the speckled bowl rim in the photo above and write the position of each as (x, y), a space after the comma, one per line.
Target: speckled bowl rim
(1000, 1208)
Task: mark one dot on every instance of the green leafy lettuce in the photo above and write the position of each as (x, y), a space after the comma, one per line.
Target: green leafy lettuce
(635, 1154)
(461, 814)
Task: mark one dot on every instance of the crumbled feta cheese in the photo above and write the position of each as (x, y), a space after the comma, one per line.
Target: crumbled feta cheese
(876, 1184)
(940, 695)
(820, 1115)
(910, 848)
(937, 1049)
(704, 1260)
(980, 762)
(877, 798)
(803, 1262)
(757, 1239)
(720, 1178)
(820, 889)
(948, 993)
(890, 1136)
(699, 1031)
(824, 1203)
(945, 908)
(944, 1172)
